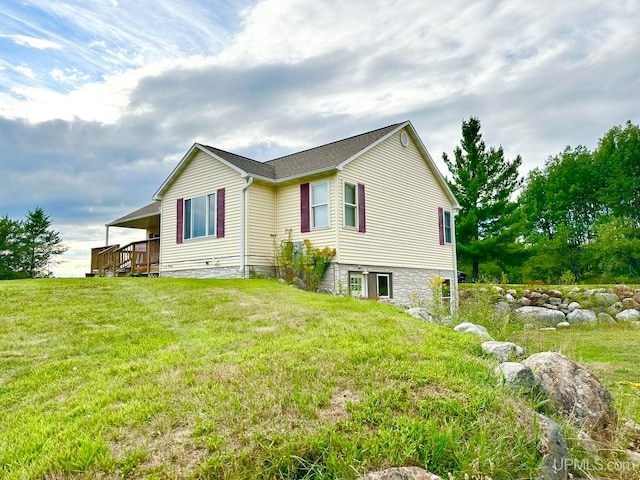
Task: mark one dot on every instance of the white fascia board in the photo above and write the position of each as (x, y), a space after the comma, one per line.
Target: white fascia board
(306, 174)
(441, 180)
(183, 164)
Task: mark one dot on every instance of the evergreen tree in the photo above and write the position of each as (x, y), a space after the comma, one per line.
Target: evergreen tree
(10, 231)
(38, 244)
(483, 181)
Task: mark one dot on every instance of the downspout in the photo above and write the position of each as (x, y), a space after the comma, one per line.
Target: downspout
(107, 236)
(455, 303)
(243, 225)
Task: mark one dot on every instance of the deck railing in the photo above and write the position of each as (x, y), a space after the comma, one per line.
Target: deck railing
(133, 259)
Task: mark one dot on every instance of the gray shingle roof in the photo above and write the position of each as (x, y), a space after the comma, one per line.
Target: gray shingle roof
(254, 167)
(144, 212)
(308, 161)
(326, 156)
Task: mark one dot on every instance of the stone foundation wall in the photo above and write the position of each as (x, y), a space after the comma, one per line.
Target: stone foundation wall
(409, 285)
(220, 272)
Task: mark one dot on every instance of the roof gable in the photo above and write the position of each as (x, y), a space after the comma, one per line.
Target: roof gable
(325, 158)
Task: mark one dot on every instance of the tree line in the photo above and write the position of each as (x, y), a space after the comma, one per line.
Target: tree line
(575, 219)
(27, 246)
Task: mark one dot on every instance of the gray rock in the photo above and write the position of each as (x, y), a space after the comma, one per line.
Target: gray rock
(298, 282)
(574, 392)
(573, 306)
(554, 293)
(541, 315)
(628, 314)
(501, 309)
(509, 298)
(555, 301)
(513, 293)
(468, 327)
(524, 302)
(582, 315)
(517, 376)
(503, 350)
(422, 314)
(553, 445)
(604, 317)
(606, 298)
(400, 473)
(615, 308)
(563, 325)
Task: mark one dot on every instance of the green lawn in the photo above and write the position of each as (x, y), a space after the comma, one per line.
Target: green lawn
(612, 352)
(167, 378)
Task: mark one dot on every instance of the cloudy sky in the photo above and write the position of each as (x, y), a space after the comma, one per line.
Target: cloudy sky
(100, 98)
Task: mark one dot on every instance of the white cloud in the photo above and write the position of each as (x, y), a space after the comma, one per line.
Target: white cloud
(33, 42)
(69, 75)
(26, 71)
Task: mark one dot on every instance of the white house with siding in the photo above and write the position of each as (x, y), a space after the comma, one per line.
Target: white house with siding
(377, 198)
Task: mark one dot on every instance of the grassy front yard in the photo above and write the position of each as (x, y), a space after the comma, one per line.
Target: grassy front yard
(164, 378)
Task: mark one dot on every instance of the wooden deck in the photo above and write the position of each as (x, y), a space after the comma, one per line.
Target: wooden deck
(132, 260)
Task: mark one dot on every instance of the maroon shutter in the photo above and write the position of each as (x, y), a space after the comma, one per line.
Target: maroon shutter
(180, 220)
(220, 213)
(305, 223)
(362, 218)
(441, 224)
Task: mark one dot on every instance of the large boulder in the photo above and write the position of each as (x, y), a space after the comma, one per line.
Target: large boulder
(468, 327)
(541, 315)
(503, 350)
(553, 445)
(400, 473)
(628, 314)
(574, 392)
(606, 298)
(517, 376)
(582, 315)
(421, 313)
(573, 306)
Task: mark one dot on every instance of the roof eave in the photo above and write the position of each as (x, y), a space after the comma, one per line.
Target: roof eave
(132, 219)
(440, 179)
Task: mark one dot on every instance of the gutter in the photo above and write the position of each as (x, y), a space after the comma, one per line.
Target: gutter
(243, 224)
(456, 301)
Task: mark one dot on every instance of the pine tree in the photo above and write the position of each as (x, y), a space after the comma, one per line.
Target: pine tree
(483, 181)
(38, 244)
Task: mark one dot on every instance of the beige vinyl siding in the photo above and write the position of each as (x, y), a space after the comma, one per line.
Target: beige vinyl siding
(288, 213)
(402, 197)
(202, 176)
(261, 217)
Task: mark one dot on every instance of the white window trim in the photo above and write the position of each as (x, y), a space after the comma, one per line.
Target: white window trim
(188, 236)
(313, 205)
(345, 205)
(446, 214)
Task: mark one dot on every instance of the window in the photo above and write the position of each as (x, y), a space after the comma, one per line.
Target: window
(444, 226)
(320, 204)
(356, 284)
(350, 205)
(383, 285)
(447, 227)
(200, 216)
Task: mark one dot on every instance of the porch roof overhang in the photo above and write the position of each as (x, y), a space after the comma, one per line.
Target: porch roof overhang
(146, 218)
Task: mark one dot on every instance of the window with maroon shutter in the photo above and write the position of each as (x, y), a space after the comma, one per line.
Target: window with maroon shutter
(362, 218)
(441, 224)
(220, 213)
(305, 223)
(179, 220)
